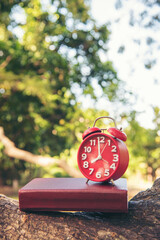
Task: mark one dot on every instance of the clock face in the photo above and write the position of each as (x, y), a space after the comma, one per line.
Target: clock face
(98, 157)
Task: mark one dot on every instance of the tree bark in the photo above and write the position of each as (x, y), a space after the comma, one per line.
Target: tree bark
(141, 222)
(12, 151)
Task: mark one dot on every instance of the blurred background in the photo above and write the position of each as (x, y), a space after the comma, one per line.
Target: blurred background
(64, 63)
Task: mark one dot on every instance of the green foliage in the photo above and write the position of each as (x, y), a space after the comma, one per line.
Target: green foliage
(41, 72)
(144, 145)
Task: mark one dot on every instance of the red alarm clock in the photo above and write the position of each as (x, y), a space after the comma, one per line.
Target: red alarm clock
(102, 157)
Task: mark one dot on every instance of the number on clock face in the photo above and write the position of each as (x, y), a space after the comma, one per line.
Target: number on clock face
(98, 157)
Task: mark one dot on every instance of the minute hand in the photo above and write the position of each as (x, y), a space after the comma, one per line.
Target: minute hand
(99, 153)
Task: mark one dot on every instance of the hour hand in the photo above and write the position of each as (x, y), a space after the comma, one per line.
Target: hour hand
(96, 159)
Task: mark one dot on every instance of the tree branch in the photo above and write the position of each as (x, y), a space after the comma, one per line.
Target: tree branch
(12, 151)
(141, 222)
(5, 63)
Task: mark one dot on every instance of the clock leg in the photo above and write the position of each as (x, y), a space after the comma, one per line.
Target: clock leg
(112, 181)
(87, 181)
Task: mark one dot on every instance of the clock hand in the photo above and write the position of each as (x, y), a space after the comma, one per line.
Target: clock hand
(102, 152)
(105, 160)
(96, 159)
(103, 148)
(99, 154)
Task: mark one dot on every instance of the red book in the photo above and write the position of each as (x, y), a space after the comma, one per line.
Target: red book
(73, 194)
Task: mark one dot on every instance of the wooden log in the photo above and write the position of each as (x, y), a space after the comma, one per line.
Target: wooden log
(141, 222)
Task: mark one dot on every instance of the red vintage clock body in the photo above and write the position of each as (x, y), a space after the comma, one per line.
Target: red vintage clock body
(102, 157)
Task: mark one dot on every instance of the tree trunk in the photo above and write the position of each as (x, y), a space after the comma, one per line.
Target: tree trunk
(141, 222)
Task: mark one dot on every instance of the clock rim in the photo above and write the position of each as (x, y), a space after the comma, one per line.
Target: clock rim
(78, 159)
